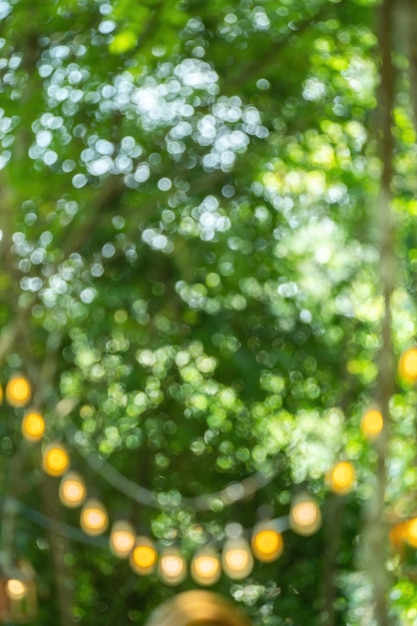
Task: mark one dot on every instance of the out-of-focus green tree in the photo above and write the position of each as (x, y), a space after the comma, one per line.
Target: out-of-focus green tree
(207, 274)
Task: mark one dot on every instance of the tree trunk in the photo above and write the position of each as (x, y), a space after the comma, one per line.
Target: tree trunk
(332, 534)
(59, 548)
(376, 530)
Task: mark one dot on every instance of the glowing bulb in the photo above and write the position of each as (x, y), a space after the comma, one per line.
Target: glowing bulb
(94, 520)
(372, 423)
(33, 426)
(18, 391)
(72, 490)
(172, 568)
(342, 477)
(143, 556)
(408, 364)
(55, 460)
(205, 567)
(237, 559)
(16, 589)
(122, 538)
(1, 394)
(305, 516)
(267, 544)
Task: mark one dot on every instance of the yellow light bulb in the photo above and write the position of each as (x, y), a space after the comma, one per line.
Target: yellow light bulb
(72, 490)
(94, 520)
(305, 516)
(55, 460)
(172, 568)
(18, 391)
(237, 559)
(16, 589)
(205, 567)
(267, 544)
(1, 394)
(143, 556)
(122, 538)
(372, 423)
(407, 366)
(33, 426)
(342, 477)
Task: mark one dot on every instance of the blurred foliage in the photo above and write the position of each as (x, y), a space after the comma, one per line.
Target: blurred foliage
(189, 262)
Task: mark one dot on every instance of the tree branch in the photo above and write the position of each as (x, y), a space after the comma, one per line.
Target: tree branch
(269, 60)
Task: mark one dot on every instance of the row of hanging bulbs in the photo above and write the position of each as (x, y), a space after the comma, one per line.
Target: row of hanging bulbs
(237, 558)
(207, 565)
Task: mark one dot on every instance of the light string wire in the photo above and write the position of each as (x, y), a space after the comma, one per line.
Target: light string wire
(60, 528)
(95, 461)
(234, 492)
(281, 524)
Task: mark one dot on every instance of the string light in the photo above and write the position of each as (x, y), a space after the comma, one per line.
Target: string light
(172, 568)
(305, 516)
(18, 391)
(407, 366)
(122, 538)
(55, 460)
(372, 423)
(143, 556)
(72, 491)
(16, 589)
(237, 559)
(342, 477)
(33, 426)
(94, 519)
(205, 567)
(267, 543)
